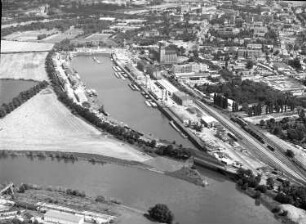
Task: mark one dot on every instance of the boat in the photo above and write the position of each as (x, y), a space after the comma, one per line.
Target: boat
(177, 129)
(153, 104)
(116, 74)
(174, 126)
(132, 87)
(96, 60)
(118, 69)
(91, 92)
(124, 74)
(148, 103)
(136, 87)
(114, 68)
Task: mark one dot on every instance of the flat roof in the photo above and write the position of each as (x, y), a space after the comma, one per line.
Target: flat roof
(63, 216)
(167, 85)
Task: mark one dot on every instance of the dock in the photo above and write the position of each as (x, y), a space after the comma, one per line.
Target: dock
(201, 157)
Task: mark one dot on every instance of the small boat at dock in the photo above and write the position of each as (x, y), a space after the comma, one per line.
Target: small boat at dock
(148, 103)
(153, 103)
(136, 87)
(116, 74)
(96, 60)
(132, 87)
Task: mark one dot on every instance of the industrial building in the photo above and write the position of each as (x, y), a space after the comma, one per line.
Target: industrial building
(167, 55)
(53, 216)
(181, 98)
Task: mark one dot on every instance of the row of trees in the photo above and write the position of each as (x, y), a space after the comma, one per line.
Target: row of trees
(246, 91)
(88, 25)
(21, 98)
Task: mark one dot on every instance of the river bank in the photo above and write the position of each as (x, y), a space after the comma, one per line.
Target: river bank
(61, 199)
(219, 202)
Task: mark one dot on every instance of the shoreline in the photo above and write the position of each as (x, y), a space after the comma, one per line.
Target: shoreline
(187, 174)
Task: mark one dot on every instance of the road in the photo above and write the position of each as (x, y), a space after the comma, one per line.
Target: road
(261, 150)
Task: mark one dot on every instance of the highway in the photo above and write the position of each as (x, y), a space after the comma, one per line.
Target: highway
(258, 148)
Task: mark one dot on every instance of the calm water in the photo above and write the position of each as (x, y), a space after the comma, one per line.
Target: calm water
(121, 102)
(11, 88)
(219, 203)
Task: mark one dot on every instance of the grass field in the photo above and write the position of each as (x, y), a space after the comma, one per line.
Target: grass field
(44, 124)
(29, 35)
(69, 34)
(23, 66)
(15, 46)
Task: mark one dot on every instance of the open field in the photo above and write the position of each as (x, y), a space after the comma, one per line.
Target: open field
(58, 37)
(23, 66)
(15, 46)
(29, 35)
(96, 38)
(44, 124)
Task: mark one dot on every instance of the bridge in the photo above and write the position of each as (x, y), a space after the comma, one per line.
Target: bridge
(8, 188)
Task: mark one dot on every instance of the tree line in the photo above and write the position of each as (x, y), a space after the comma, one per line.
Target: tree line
(292, 129)
(24, 96)
(287, 193)
(248, 92)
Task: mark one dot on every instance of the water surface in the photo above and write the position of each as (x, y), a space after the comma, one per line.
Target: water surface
(219, 203)
(121, 102)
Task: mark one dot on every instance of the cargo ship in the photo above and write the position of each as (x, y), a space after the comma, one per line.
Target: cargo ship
(177, 129)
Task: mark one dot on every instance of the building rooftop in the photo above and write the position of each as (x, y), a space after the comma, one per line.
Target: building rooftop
(63, 216)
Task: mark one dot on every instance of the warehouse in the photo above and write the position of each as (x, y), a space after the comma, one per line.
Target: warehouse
(53, 216)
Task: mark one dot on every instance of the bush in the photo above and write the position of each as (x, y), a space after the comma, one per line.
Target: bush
(100, 198)
(276, 210)
(290, 153)
(257, 195)
(161, 213)
(262, 188)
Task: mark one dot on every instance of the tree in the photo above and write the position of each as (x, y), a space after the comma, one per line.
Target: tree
(249, 64)
(290, 153)
(270, 183)
(295, 63)
(161, 213)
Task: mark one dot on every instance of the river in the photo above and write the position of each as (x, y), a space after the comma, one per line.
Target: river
(218, 203)
(121, 102)
(11, 88)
